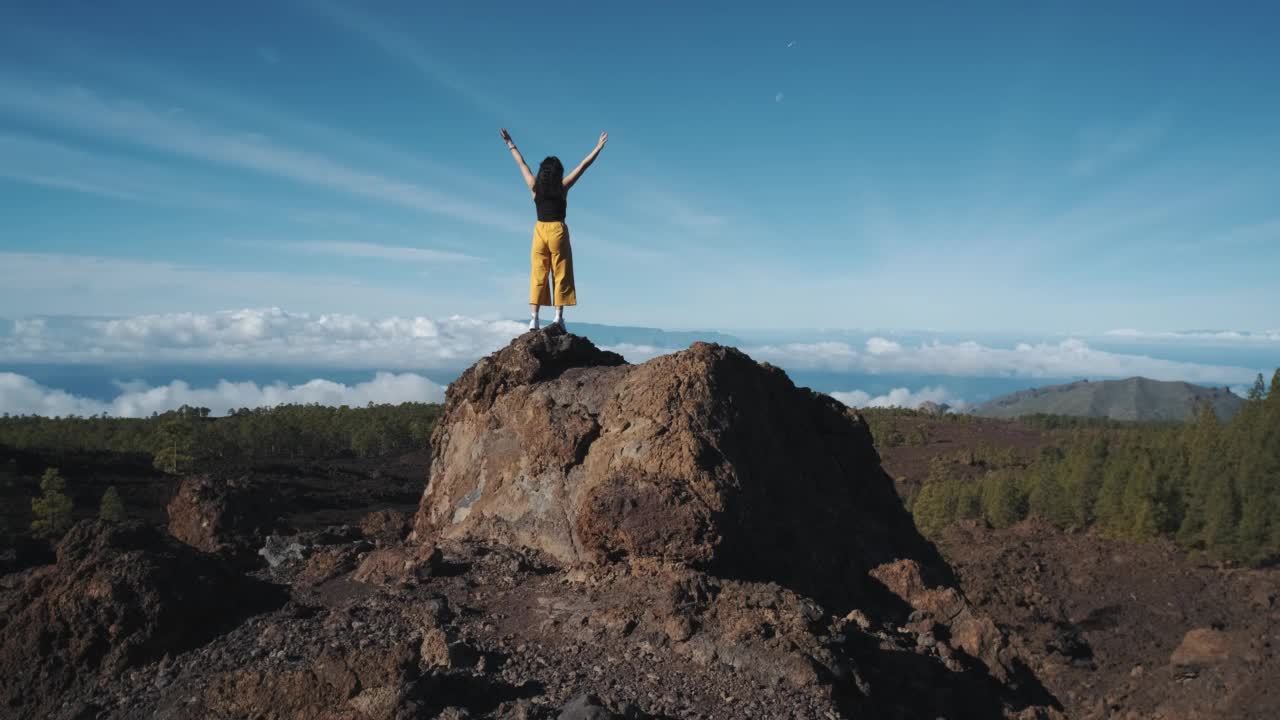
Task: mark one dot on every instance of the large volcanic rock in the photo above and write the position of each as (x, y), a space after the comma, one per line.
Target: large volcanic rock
(228, 516)
(703, 457)
(118, 597)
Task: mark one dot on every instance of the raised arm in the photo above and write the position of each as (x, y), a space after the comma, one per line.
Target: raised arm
(572, 177)
(515, 153)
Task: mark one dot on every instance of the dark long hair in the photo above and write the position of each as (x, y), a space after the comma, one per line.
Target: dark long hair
(550, 181)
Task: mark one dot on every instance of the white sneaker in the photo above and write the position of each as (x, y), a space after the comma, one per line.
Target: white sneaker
(533, 323)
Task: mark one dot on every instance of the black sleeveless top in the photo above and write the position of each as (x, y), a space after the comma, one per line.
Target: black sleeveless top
(551, 209)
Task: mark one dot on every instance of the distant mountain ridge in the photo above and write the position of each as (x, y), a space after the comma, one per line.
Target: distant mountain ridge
(1135, 398)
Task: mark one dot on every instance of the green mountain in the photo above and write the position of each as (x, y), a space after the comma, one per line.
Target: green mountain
(1131, 399)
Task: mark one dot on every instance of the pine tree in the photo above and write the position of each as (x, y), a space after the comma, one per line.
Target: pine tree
(1259, 390)
(52, 510)
(1259, 481)
(1222, 515)
(933, 508)
(112, 507)
(1143, 514)
(1205, 467)
(1003, 502)
(175, 446)
(1117, 473)
(1048, 497)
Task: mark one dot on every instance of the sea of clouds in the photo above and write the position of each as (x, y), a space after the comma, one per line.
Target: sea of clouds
(402, 347)
(20, 395)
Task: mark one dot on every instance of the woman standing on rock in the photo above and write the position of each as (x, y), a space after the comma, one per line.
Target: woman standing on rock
(551, 250)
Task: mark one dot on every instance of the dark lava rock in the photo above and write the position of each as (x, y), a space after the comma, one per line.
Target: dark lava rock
(225, 516)
(119, 595)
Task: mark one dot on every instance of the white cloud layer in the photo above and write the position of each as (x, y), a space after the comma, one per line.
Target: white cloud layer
(901, 397)
(1065, 359)
(20, 395)
(1263, 336)
(270, 335)
(274, 336)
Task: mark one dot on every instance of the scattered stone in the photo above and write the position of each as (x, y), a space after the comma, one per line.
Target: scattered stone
(282, 550)
(399, 565)
(586, 707)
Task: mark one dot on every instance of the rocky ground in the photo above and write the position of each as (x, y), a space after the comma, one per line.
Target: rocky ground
(1117, 629)
(689, 538)
(1128, 630)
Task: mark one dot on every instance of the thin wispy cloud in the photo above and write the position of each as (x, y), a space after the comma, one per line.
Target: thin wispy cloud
(139, 123)
(1103, 148)
(384, 252)
(272, 119)
(1260, 234)
(667, 207)
(36, 161)
(53, 283)
(1216, 336)
(406, 48)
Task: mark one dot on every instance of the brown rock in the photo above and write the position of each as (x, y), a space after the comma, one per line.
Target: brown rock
(227, 516)
(397, 565)
(702, 457)
(441, 650)
(326, 564)
(364, 684)
(971, 632)
(1202, 646)
(678, 628)
(385, 527)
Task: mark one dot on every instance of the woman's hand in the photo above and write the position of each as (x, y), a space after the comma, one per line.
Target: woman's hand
(604, 138)
(507, 136)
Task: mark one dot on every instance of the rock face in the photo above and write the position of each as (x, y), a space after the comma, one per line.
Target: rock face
(703, 457)
(225, 516)
(119, 596)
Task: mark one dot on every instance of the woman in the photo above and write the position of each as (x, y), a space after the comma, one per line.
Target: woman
(551, 250)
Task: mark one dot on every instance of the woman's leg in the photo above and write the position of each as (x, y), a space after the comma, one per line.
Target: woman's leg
(562, 268)
(540, 266)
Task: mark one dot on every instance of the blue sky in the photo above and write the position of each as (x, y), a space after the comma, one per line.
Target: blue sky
(940, 199)
(1049, 168)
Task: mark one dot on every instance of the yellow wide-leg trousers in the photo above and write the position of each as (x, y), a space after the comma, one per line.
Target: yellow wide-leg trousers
(551, 254)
